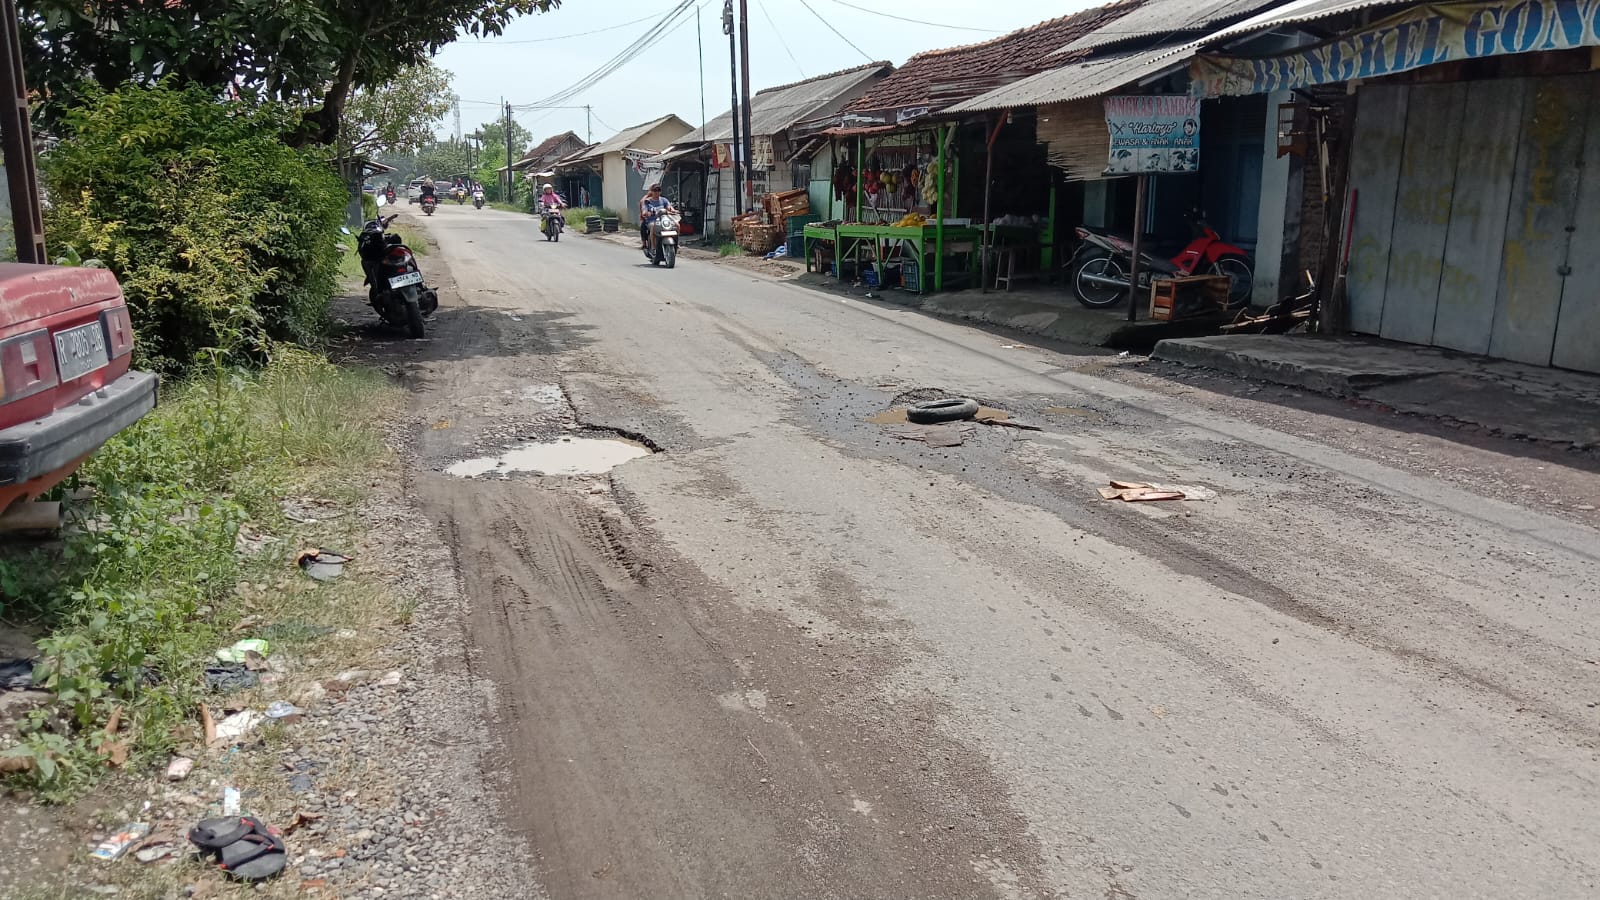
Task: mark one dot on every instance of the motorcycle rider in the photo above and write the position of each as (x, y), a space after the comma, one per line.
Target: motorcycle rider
(651, 205)
(428, 189)
(549, 199)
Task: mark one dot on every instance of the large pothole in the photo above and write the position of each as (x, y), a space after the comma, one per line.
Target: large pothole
(568, 455)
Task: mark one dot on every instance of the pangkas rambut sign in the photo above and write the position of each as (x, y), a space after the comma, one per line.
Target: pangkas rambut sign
(1420, 36)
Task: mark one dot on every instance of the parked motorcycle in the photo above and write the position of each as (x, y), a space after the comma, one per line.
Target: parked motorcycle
(477, 199)
(396, 289)
(1099, 269)
(551, 224)
(429, 204)
(663, 246)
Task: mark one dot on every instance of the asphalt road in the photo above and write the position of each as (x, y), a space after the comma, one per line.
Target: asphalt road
(793, 655)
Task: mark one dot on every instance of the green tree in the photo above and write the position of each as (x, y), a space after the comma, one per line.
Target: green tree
(309, 52)
(443, 159)
(398, 116)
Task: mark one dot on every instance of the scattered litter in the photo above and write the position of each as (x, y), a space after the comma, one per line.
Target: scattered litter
(230, 730)
(284, 711)
(389, 679)
(1137, 491)
(345, 680)
(322, 565)
(208, 725)
(441, 425)
(1010, 346)
(179, 768)
(230, 801)
(230, 677)
(241, 650)
(347, 634)
(115, 751)
(117, 844)
(1123, 355)
(155, 851)
(301, 819)
(16, 674)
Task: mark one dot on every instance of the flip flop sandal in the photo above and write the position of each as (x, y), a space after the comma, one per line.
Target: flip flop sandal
(211, 835)
(254, 857)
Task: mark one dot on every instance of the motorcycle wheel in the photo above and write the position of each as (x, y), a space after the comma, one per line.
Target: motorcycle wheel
(671, 251)
(414, 325)
(1097, 296)
(1242, 280)
(555, 234)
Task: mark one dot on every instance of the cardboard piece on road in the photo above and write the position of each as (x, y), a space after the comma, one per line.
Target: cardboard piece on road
(1138, 491)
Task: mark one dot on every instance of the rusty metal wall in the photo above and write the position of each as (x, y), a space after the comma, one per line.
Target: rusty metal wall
(1476, 228)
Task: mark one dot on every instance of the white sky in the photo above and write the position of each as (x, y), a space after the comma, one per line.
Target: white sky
(527, 64)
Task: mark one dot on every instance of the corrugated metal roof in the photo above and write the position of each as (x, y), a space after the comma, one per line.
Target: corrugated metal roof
(1297, 12)
(1094, 77)
(938, 78)
(1081, 80)
(624, 139)
(1167, 19)
(776, 109)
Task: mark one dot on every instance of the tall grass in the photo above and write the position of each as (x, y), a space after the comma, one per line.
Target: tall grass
(150, 578)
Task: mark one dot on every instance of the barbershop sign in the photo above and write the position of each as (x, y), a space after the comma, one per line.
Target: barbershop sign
(1420, 36)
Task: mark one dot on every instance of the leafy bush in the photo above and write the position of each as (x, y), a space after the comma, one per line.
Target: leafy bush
(221, 234)
(730, 249)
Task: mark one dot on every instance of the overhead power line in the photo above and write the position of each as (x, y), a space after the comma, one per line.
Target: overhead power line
(864, 54)
(778, 32)
(663, 26)
(917, 21)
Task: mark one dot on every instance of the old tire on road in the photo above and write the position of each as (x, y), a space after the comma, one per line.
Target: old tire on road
(950, 409)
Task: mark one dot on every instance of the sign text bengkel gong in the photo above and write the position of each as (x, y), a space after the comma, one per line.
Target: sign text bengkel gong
(1421, 36)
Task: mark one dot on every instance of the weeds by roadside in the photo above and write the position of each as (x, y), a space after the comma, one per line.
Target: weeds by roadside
(181, 535)
(730, 249)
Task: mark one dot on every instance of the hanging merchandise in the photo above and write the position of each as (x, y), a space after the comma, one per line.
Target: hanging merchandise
(844, 181)
(721, 156)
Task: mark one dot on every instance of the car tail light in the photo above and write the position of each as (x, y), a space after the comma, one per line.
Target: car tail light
(27, 365)
(119, 331)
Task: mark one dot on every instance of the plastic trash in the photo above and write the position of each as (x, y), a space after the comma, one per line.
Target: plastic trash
(240, 651)
(117, 844)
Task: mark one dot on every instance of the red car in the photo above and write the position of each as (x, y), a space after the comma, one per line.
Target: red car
(65, 383)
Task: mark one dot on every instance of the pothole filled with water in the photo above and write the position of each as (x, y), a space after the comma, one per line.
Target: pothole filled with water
(564, 456)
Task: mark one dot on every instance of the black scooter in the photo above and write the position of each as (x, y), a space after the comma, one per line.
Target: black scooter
(396, 289)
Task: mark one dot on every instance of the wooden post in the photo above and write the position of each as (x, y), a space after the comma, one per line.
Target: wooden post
(1133, 264)
(16, 142)
(988, 230)
(1331, 293)
(939, 213)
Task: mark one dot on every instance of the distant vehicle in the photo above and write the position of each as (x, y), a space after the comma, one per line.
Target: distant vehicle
(414, 191)
(66, 343)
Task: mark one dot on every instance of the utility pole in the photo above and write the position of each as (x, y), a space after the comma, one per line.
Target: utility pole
(744, 95)
(588, 124)
(511, 183)
(733, 83)
(458, 119)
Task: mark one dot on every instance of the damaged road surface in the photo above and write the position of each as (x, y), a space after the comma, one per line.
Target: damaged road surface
(746, 642)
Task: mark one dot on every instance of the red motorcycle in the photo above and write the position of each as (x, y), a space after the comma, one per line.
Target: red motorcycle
(1100, 267)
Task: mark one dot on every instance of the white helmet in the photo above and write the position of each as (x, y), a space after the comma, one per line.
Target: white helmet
(548, 187)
